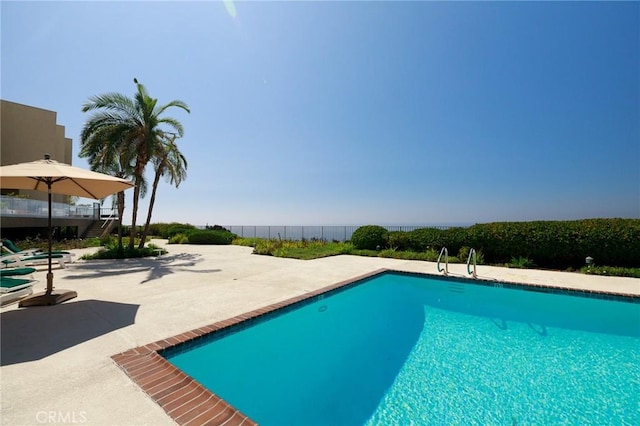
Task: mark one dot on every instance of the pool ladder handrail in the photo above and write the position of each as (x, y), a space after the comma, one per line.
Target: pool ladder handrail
(472, 254)
(446, 261)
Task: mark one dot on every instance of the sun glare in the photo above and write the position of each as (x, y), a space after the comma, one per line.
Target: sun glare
(231, 8)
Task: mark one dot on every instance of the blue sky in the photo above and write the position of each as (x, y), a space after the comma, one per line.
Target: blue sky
(322, 113)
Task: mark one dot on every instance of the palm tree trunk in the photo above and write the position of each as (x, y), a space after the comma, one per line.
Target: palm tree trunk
(136, 197)
(156, 180)
(120, 206)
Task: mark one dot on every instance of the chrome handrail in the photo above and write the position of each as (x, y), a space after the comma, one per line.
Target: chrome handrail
(446, 261)
(472, 253)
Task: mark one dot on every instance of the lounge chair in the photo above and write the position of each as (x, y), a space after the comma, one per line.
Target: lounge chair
(13, 272)
(9, 284)
(11, 248)
(19, 261)
(13, 289)
(33, 256)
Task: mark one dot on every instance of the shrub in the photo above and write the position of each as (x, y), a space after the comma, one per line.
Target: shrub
(172, 229)
(369, 237)
(210, 237)
(157, 250)
(425, 238)
(267, 247)
(108, 240)
(246, 242)
(454, 239)
(463, 255)
(124, 228)
(217, 228)
(433, 238)
(390, 252)
(399, 240)
(611, 271)
(121, 253)
(431, 255)
(179, 239)
(167, 230)
(521, 263)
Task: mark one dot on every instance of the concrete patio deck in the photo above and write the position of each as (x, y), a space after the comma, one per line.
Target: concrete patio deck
(56, 364)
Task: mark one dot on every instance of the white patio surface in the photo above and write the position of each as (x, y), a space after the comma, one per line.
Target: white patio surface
(55, 361)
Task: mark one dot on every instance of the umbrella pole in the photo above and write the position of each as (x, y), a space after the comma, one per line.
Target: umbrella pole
(50, 274)
(48, 298)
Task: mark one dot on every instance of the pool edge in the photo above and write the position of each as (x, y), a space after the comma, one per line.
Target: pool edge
(536, 287)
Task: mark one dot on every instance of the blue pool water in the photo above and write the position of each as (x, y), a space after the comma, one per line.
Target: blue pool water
(405, 349)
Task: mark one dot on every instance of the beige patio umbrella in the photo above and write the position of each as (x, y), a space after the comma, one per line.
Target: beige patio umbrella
(58, 178)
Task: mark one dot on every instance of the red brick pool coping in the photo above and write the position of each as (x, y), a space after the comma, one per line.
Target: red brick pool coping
(185, 400)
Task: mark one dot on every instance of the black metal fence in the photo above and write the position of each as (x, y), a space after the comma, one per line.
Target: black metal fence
(324, 233)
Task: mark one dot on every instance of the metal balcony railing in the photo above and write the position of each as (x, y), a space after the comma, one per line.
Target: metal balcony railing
(24, 207)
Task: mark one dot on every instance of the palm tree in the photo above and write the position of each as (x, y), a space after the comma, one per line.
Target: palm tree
(135, 127)
(169, 162)
(107, 157)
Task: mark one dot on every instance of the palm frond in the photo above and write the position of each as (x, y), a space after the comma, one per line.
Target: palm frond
(174, 124)
(110, 101)
(174, 103)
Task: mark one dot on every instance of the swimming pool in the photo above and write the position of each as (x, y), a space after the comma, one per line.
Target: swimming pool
(398, 348)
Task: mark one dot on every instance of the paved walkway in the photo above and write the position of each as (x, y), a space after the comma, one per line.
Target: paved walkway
(55, 361)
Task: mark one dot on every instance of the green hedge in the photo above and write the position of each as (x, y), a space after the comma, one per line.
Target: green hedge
(560, 243)
(172, 229)
(549, 244)
(433, 238)
(210, 237)
(369, 237)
